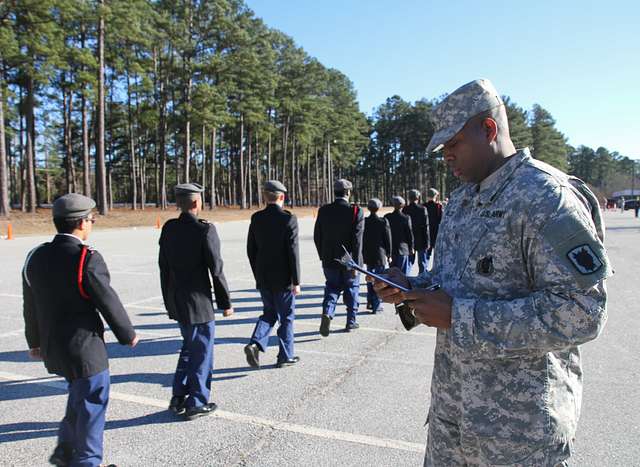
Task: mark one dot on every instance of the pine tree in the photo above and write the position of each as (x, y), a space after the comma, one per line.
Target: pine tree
(549, 145)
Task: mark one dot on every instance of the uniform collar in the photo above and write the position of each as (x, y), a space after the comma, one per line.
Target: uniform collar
(342, 200)
(489, 188)
(274, 206)
(65, 236)
(187, 217)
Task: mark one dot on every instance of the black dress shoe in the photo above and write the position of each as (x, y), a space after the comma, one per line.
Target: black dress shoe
(176, 405)
(62, 455)
(290, 362)
(252, 352)
(351, 327)
(325, 325)
(378, 310)
(195, 412)
(369, 306)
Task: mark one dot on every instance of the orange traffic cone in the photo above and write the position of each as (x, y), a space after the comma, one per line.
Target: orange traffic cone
(157, 222)
(9, 232)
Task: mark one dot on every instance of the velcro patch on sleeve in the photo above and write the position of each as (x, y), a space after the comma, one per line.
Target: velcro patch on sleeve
(578, 248)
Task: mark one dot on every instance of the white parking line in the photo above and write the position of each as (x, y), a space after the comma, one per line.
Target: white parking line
(17, 332)
(10, 295)
(133, 273)
(137, 302)
(247, 419)
(369, 329)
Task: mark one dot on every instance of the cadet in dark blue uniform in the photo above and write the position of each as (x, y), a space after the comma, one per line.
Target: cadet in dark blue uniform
(189, 252)
(376, 248)
(401, 236)
(339, 223)
(66, 288)
(420, 228)
(434, 208)
(272, 248)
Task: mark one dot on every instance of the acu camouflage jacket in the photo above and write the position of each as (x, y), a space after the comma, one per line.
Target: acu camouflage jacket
(522, 256)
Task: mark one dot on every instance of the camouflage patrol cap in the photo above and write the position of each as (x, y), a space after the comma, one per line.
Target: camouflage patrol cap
(466, 102)
(188, 188)
(374, 203)
(274, 186)
(342, 184)
(398, 201)
(72, 206)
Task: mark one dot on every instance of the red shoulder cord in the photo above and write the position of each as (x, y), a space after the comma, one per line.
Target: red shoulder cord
(83, 255)
(355, 213)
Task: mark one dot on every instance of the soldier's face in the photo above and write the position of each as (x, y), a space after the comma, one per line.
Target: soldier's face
(467, 154)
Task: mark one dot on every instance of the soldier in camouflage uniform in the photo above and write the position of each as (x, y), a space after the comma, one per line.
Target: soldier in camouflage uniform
(521, 264)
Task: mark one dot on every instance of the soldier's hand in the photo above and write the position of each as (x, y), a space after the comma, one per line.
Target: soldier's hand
(386, 292)
(295, 289)
(35, 353)
(354, 273)
(432, 308)
(134, 342)
(228, 312)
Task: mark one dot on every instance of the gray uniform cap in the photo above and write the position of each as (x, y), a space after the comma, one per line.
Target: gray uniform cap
(274, 186)
(397, 200)
(374, 203)
(188, 188)
(432, 193)
(342, 184)
(466, 102)
(414, 194)
(72, 206)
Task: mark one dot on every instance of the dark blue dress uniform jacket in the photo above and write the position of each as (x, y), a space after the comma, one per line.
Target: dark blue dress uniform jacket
(401, 233)
(189, 251)
(272, 248)
(66, 326)
(339, 223)
(376, 246)
(419, 224)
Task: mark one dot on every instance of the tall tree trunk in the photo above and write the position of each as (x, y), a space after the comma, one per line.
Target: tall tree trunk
(142, 170)
(47, 176)
(204, 162)
(161, 140)
(4, 179)
(187, 130)
(132, 150)
(249, 154)
(285, 139)
(258, 170)
(86, 179)
(317, 185)
(68, 143)
(269, 173)
(308, 203)
(86, 165)
(212, 165)
(292, 187)
(23, 162)
(101, 175)
(243, 202)
(31, 152)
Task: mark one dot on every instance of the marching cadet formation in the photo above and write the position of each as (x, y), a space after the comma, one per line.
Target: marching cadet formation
(516, 285)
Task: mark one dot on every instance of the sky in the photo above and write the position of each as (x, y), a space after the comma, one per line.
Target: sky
(579, 59)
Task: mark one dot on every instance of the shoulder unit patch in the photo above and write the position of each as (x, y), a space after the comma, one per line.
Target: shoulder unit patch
(584, 259)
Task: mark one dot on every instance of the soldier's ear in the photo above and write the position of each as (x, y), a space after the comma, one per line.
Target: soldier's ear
(490, 129)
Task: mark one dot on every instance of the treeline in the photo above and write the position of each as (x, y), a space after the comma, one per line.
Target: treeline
(122, 99)
(193, 90)
(396, 159)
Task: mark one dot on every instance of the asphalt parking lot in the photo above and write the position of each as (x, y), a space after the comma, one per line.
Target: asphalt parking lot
(355, 399)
